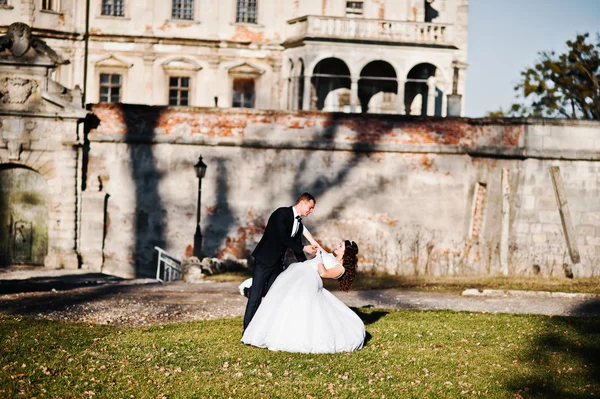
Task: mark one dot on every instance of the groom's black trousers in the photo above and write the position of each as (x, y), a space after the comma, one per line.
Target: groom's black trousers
(263, 277)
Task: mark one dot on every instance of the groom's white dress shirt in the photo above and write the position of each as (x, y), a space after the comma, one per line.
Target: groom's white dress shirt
(296, 224)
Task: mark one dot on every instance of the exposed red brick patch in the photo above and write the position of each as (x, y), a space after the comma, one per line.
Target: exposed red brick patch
(245, 34)
(385, 219)
(94, 31)
(238, 246)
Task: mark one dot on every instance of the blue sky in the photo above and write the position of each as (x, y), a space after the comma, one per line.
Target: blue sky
(505, 37)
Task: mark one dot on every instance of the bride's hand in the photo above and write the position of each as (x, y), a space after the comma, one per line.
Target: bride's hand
(310, 249)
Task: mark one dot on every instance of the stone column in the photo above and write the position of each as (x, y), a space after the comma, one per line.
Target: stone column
(149, 79)
(354, 95)
(307, 93)
(92, 229)
(431, 96)
(400, 108)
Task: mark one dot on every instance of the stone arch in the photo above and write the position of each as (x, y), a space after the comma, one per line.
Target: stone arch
(422, 86)
(329, 74)
(377, 87)
(23, 216)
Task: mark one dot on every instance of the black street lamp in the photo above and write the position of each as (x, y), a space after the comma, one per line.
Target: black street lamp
(200, 169)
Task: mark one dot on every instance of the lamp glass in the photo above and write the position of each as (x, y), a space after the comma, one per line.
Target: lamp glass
(200, 168)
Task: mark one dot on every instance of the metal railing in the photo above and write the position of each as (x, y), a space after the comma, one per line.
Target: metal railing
(169, 265)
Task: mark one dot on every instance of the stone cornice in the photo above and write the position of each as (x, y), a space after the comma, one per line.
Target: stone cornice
(50, 33)
(210, 43)
(480, 151)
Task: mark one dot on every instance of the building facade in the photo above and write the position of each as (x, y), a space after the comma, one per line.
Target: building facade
(377, 56)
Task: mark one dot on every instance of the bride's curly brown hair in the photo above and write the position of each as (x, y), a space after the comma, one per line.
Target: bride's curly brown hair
(349, 261)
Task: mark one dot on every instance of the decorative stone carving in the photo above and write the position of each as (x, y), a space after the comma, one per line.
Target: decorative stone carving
(14, 150)
(18, 40)
(16, 90)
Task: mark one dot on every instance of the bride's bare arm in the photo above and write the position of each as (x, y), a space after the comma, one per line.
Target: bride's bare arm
(311, 239)
(334, 272)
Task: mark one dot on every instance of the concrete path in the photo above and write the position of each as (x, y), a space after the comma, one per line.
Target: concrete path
(99, 298)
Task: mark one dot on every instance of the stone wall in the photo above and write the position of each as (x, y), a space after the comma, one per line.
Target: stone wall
(419, 195)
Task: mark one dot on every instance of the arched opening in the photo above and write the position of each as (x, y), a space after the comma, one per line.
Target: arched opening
(377, 87)
(329, 75)
(421, 92)
(300, 87)
(23, 216)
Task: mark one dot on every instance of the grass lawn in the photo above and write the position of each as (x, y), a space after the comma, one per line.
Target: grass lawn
(409, 354)
(367, 281)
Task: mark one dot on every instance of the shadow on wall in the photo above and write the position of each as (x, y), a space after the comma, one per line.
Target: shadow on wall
(220, 221)
(149, 218)
(542, 373)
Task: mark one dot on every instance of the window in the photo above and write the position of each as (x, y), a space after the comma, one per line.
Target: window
(110, 88)
(243, 93)
(183, 9)
(354, 8)
(50, 5)
(179, 91)
(3, 3)
(246, 11)
(113, 8)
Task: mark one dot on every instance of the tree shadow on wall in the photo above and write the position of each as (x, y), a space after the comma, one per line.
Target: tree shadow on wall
(563, 361)
(149, 218)
(221, 219)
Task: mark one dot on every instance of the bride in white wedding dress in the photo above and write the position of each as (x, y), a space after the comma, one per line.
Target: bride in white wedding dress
(299, 315)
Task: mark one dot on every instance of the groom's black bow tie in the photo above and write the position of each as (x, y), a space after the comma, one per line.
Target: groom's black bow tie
(299, 219)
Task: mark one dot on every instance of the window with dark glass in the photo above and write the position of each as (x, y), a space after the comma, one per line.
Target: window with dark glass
(354, 8)
(179, 91)
(113, 8)
(50, 5)
(243, 93)
(246, 11)
(110, 88)
(183, 9)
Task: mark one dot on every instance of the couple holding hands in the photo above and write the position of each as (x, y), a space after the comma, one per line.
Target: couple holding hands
(297, 314)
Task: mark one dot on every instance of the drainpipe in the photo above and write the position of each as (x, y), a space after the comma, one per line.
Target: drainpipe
(86, 38)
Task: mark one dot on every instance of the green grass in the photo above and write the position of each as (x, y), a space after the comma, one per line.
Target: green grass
(369, 281)
(410, 354)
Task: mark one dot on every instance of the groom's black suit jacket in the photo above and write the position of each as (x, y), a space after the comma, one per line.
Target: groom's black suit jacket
(277, 238)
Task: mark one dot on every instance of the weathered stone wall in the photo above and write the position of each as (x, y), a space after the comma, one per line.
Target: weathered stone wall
(421, 196)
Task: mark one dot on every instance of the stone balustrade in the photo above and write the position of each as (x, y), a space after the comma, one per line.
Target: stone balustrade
(325, 27)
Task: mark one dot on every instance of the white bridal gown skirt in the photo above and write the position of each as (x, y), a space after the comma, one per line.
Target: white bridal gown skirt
(298, 315)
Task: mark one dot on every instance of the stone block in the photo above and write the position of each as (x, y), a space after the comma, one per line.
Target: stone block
(551, 228)
(529, 202)
(535, 142)
(549, 216)
(546, 204)
(586, 230)
(536, 228)
(522, 228)
(592, 241)
(591, 218)
(539, 238)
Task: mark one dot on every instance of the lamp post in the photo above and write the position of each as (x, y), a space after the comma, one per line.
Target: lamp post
(200, 169)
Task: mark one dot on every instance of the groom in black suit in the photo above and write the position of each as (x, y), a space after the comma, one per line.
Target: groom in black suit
(284, 230)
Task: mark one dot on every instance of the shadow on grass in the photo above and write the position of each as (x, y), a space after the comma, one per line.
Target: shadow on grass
(369, 317)
(58, 283)
(44, 300)
(576, 339)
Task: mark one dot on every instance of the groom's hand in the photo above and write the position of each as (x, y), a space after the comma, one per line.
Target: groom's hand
(310, 249)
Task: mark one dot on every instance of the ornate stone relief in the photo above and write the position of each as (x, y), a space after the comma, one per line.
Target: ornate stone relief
(16, 132)
(16, 90)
